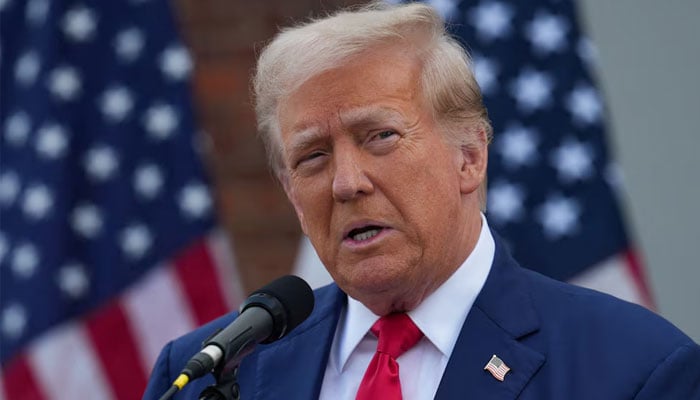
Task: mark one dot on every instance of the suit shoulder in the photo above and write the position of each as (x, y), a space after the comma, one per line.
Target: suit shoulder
(615, 346)
(580, 311)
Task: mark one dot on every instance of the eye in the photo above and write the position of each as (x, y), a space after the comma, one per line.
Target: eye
(312, 156)
(384, 134)
(382, 141)
(309, 157)
(382, 138)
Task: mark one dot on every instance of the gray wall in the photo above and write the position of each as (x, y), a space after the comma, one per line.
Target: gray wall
(649, 54)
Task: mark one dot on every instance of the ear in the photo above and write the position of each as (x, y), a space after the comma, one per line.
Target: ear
(291, 195)
(473, 160)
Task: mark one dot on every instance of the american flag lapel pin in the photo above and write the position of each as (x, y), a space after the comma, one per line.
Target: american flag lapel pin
(497, 368)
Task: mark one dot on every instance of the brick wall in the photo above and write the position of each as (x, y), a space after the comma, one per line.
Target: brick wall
(224, 36)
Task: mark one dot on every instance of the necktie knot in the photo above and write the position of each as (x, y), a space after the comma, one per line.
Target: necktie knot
(396, 334)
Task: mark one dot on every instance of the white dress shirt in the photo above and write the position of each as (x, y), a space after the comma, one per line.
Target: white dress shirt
(440, 317)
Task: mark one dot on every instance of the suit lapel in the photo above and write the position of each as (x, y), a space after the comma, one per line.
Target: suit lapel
(502, 314)
(294, 368)
(465, 375)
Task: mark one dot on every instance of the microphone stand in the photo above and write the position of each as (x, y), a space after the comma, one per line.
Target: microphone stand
(226, 387)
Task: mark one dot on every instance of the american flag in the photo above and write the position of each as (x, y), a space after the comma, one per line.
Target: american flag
(108, 245)
(553, 186)
(497, 368)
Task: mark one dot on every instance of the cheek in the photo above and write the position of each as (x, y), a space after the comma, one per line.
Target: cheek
(432, 180)
(314, 202)
(430, 197)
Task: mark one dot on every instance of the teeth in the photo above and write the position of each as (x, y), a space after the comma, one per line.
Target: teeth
(366, 235)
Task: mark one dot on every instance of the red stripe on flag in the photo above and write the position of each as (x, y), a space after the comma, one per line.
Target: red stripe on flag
(114, 344)
(197, 273)
(19, 381)
(640, 279)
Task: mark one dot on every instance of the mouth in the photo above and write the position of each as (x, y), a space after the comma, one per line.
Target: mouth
(363, 235)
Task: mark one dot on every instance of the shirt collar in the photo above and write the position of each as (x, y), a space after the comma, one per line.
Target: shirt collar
(440, 316)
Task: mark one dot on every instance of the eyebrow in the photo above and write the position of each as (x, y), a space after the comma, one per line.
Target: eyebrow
(370, 115)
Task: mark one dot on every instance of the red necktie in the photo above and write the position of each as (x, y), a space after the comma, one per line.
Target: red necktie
(396, 333)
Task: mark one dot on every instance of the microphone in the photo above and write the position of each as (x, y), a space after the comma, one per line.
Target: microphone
(267, 315)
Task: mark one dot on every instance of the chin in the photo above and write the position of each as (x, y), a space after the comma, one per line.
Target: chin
(382, 278)
(377, 274)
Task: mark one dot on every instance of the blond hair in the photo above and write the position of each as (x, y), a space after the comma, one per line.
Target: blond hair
(301, 52)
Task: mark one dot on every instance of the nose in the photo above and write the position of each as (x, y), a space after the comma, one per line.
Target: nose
(350, 179)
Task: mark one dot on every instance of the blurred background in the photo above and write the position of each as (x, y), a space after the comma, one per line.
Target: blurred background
(117, 116)
(649, 57)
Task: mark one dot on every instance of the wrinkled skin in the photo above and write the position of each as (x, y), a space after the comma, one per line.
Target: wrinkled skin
(363, 153)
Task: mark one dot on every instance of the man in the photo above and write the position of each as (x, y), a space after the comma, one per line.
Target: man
(375, 127)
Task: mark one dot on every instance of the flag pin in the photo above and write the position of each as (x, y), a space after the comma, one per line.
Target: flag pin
(497, 368)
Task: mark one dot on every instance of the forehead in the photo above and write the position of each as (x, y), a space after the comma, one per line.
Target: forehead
(383, 83)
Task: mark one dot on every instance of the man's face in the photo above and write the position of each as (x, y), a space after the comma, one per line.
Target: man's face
(376, 187)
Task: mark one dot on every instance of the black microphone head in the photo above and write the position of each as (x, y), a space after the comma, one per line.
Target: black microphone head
(289, 300)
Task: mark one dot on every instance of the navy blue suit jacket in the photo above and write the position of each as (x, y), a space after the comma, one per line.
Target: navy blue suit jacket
(560, 341)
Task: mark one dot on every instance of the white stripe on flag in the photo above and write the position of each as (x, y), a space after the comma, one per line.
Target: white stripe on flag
(309, 267)
(66, 367)
(157, 311)
(612, 276)
(226, 268)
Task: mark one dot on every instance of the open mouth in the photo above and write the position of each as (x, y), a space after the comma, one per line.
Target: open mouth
(364, 233)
